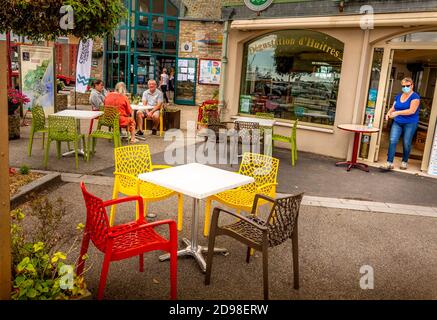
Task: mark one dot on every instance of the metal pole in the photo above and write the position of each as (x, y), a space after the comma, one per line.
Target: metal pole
(223, 70)
(5, 221)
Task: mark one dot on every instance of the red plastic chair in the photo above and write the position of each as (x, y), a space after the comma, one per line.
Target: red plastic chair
(126, 240)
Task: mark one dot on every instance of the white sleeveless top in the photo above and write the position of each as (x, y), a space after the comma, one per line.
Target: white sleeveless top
(164, 78)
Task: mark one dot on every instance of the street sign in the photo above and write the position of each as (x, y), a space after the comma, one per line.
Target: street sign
(258, 5)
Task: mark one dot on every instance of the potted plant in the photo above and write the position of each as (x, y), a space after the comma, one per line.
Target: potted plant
(15, 100)
(172, 118)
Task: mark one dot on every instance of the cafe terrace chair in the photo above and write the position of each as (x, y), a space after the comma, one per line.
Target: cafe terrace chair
(264, 169)
(260, 234)
(126, 240)
(110, 118)
(38, 126)
(247, 132)
(130, 161)
(64, 129)
(292, 140)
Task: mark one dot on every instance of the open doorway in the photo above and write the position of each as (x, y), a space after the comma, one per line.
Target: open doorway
(421, 66)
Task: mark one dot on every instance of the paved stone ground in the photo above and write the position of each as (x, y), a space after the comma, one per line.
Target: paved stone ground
(339, 231)
(334, 245)
(314, 174)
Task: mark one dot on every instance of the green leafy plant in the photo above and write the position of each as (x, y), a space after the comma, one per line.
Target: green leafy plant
(39, 270)
(24, 170)
(215, 94)
(40, 19)
(59, 85)
(135, 99)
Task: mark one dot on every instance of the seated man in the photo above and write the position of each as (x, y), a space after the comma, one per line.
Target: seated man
(153, 98)
(97, 96)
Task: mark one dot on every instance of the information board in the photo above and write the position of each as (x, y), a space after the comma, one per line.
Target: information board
(210, 71)
(37, 76)
(186, 81)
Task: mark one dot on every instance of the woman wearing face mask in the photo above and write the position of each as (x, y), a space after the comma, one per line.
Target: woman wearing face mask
(405, 115)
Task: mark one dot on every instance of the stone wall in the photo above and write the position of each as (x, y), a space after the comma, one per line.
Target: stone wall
(192, 31)
(61, 102)
(97, 60)
(209, 9)
(82, 99)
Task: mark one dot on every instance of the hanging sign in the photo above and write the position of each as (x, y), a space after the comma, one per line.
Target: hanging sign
(258, 5)
(83, 68)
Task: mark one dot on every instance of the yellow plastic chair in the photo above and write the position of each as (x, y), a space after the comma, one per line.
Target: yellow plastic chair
(264, 169)
(161, 121)
(130, 161)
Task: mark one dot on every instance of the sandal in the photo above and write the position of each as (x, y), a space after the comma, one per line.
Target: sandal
(134, 141)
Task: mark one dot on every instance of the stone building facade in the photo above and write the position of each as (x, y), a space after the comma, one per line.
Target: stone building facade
(201, 20)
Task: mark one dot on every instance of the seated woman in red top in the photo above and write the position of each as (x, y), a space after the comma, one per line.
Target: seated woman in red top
(119, 99)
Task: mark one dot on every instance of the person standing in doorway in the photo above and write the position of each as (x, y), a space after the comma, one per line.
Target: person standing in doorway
(405, 115)
(171, 85)
(163, 84)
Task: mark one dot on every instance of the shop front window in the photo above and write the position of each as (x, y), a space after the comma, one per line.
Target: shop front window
(293, 74)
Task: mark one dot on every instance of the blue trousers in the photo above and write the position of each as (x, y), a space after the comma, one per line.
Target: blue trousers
(407, 131)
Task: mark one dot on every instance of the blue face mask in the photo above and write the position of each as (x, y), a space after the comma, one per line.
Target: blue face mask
(406, 89)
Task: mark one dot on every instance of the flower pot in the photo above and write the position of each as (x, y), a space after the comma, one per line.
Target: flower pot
(14, 126)
(12, 108)
(172, 119)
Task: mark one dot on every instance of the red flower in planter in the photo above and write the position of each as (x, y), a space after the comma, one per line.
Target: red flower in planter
(15, 99)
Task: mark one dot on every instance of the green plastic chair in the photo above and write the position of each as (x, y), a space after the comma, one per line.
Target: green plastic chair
(110, 118)
(64, 129)
(265, 115)
(38, 126)
(105, 121)
(292, 140)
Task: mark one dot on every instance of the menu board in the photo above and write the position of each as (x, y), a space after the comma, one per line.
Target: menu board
(210, 71)
(186, 81)
(432, 170)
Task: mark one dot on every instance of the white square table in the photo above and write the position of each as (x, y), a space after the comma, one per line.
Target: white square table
(268, 133)
(79, 115)
(262, 122)
(199, 182)
(140, 107)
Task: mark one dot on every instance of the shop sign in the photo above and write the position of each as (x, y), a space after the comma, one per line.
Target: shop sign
(258, 5)
(308, 42)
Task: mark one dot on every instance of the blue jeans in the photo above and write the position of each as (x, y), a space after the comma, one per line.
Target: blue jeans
(408, 130)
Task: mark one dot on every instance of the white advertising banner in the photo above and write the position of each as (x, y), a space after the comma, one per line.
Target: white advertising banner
(432, 170)
(38, 76)
(83, 68)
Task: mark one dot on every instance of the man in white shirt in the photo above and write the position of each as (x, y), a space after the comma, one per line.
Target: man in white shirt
(153, 98)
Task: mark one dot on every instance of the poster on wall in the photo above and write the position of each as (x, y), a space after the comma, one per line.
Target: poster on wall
(37, 74)
(209, 71)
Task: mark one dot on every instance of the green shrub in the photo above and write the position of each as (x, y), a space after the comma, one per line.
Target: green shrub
(39, 270)
(24, 170)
